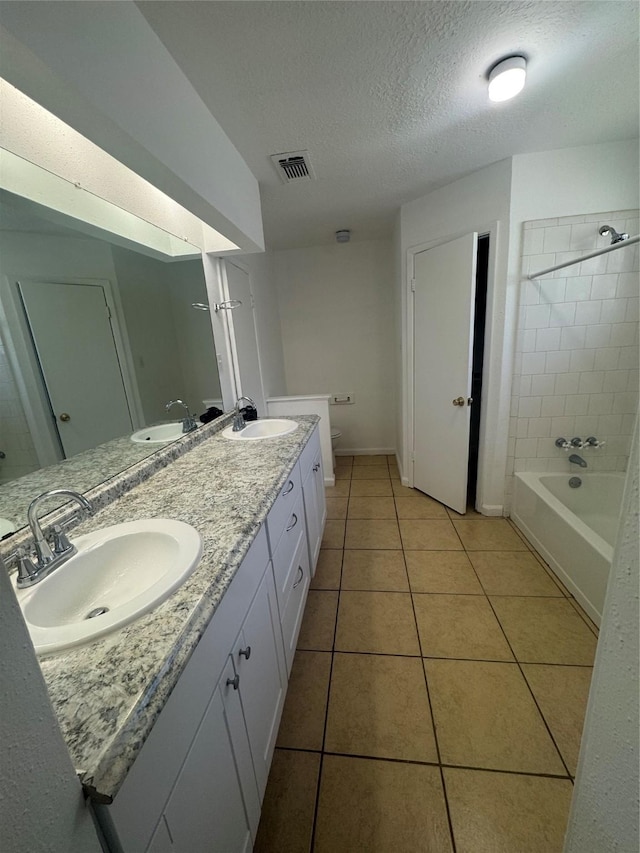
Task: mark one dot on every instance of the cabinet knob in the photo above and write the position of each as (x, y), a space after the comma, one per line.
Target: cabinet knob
(234, 682)
(300, 576)
(65, 418)
(245, 653)
(294, 521)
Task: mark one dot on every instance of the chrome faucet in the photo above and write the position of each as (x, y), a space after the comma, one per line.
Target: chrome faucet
(36, 567)
(238, 420)
(577, 460)
(189, 423)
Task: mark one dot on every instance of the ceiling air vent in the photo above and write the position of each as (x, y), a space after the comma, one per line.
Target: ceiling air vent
(293, 166)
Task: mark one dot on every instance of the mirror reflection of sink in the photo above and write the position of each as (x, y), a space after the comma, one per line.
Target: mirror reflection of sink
(266, 428)
(160, 434)
(119, 574)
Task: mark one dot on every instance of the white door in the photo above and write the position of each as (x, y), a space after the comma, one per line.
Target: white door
(445, 279)
(242, 323)
(71, 329)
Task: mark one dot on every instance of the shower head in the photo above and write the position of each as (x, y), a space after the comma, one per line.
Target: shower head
(615, 236)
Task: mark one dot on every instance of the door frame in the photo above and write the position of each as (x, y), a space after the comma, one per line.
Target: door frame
(493, 343)
(25, 366)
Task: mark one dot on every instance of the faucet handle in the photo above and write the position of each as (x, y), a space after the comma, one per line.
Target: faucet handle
(592, 441)
(563, 444)
(27, 570)
(61, 542)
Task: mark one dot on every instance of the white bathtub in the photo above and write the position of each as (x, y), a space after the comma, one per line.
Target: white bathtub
(574, 530)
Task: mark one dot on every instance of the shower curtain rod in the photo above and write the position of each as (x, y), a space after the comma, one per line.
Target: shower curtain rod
(620, 245)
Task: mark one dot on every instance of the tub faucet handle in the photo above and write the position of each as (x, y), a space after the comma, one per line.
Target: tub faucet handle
(592, 441)
(577, 442)
(563, 444)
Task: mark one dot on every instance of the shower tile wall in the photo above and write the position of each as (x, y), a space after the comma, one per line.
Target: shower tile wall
(15, 439)
(576, 362)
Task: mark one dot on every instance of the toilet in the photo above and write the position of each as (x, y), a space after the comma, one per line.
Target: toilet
(335, 435)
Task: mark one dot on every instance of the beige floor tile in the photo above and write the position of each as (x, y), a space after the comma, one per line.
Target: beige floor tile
(545, 630)
(470, 515)
(286, 822)
(394, 471)
(442, 571)
(328, 570)
(459, 626)
(369, 460)
(590, 623)
(337, 508)
(419, 506)
(379, 707)
(507, 813)
(370, 472)
(491, 534)
(319, 621)
(344, 460)
(391, 457)
(372, 488)
(374, 507)
(302, 724)
(485, 717)
(343, 473)
(561, 693)
(519, 532)
(403, 491)
(371, 806)
(374, 570)
(372, 533)
(333, 536)
(340, 490)
(429, 535)
(512, 573)
(380, 622)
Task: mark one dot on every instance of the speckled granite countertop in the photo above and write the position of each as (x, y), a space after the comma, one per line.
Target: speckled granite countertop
(107, 694)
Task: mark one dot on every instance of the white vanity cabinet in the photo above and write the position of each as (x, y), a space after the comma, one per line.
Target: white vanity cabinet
(315, 504)
(198, 781)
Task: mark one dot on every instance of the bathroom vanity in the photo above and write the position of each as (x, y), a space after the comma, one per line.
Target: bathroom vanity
(172, 720)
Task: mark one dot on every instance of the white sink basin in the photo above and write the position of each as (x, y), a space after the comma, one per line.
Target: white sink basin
(266, 428)
(160, 434)
(128, 569)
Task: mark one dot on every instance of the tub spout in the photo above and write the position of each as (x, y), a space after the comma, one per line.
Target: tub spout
(577, 460)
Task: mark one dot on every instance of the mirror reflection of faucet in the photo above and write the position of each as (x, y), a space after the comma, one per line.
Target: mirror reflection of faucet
(189, 423)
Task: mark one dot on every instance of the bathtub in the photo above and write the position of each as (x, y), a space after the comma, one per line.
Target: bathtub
(574, 530)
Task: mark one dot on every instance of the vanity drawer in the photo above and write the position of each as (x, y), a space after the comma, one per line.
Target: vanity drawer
(284, 556)
(280, 513)
(298, 586)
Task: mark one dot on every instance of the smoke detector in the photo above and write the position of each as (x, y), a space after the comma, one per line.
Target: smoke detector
(293, 166)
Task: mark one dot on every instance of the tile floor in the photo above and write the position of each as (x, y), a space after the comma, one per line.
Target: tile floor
(437, 696)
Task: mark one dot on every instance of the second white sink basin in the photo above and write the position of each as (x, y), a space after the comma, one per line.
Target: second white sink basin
(265, 428)
(118, 574)
(160, 434)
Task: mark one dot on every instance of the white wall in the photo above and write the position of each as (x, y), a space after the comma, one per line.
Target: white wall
(267, 320)
(474, 203)
(41, 804)
(604, 813)
(336, 313)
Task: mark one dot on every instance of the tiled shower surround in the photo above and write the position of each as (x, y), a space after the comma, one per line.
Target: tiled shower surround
(576, 363)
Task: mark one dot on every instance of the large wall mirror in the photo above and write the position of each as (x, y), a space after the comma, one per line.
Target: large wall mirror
(95, 339)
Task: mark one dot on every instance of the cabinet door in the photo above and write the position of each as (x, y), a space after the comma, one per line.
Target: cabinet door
(206, 812)
(315, 508)
(161, 841)
(259, 662)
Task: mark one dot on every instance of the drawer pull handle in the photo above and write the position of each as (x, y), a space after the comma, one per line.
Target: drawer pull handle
(234, 682)
(301, 575)
(293, 523)
(245, 652)
(316, 467)
(289, 489)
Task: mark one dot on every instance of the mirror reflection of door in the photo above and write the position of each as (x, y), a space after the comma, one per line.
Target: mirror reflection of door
(242, 322)
(71, 327)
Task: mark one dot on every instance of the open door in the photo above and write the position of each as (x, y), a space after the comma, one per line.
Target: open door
(443, 353)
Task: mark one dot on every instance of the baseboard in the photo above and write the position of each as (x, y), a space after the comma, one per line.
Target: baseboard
(366, 451)
(330, 481)
(492, 509)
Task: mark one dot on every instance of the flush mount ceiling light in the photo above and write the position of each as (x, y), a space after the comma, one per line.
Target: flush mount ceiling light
(507, 78)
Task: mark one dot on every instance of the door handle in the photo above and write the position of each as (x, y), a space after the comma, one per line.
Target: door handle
(459, 401)
(64, 417)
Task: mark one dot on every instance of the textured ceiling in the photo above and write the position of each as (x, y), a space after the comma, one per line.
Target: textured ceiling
(390, 97)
